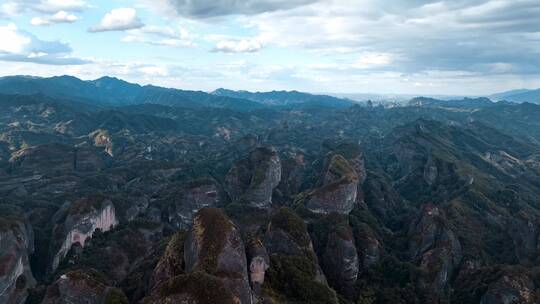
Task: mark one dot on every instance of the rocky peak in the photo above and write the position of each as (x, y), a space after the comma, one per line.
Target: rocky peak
(214, 246)
(293, 259)
(437, 250)
(338, 190)
(254, 178)
(340, 258)
(192, 197)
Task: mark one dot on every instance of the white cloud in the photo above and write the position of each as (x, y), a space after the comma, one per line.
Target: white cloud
(161, 36)
(120, 19)
(372, 59)
(238, 46)
(16, 7)
(60, 17)
(21, 46)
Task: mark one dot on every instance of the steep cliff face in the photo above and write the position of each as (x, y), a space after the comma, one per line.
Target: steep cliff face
(253, 179)
(338, 190)
(16, 244)
(340, 259)
(78, 287)
(258, 262)
(79, 221)
(192, 198)
(293, 260)
(512, 288)
(214, 246)
(437, 251)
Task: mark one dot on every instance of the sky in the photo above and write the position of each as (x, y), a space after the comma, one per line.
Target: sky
(458, 47)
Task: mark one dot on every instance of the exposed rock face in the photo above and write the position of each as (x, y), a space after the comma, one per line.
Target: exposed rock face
(16, 244)
(340, 259)
(369, 247)
(512, 289)
(171, 263)
(214, 246)
(78, 287)
(259, 262)
(82, 218)
(437, 250)
(103, 139)
(293, 259)
(339, 188)
(192, 198)
(253, 179)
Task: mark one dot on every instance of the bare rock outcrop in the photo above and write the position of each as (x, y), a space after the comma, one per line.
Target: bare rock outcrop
(436, 249)
(340, 259)
(293, 259)
(78, 221)
(194, 196)
(258, 262)
(338, 190)
(16, 244)
(253, 179)
(214, 246)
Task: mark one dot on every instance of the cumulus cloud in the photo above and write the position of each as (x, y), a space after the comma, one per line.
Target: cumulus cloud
(120, 19)
(60, 17)
(22, 46)
(238, 46)
(217, 8)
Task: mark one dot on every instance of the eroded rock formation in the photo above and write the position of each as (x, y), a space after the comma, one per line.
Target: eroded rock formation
(79, 221)
(338, 190)
(253, 179)
(16, 244)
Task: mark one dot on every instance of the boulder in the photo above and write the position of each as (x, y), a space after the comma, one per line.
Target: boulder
(254, 178)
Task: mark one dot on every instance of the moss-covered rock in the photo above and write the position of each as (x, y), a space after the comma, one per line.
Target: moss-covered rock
(254, 178)
(214, 246)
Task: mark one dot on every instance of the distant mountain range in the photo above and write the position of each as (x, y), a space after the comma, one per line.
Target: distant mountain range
(523, 95)
(286, 98)
(109, 91)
